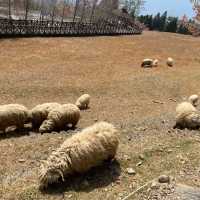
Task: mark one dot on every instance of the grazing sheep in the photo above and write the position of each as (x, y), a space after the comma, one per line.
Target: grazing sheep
(147, 63)
(193, 99)
(155, 63)
(59, 118)
(170, 62)
(81, 152)
(13, 115)
(83, 101)
(39, 113)
(187, 116)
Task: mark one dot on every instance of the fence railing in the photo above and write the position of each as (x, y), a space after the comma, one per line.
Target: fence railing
(117, 26)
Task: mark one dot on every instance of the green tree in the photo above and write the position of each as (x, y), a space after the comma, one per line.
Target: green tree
(172, 23)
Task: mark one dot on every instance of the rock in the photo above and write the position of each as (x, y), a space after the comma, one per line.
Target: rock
(127, 158)
(155, 185)
(164, 179)
(95, 120)
(139, 164)
(130, 171)
(141, 157)
(21, 160)
(169, 151)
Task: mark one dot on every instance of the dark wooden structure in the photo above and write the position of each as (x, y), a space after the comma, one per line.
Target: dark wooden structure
(99, 19)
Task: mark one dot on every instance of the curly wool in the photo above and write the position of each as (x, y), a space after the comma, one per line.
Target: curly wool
(187, 116)
(40, 112)
(80, 153)
(83, 101)
(60, 118)
(193, 99)
(13, 115)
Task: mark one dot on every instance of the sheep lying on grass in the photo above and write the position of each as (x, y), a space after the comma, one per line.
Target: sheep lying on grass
(80, 153)
(170, 62)
(83, 101)
(13, 115)
(187, 116)
(60, 118)
(193, 99)
(39, 113)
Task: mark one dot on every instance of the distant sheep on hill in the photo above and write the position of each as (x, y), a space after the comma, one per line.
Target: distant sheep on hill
(60, 118)
(83, 101)
(194, 100)
(170, 62)
(13, 115)
(148, 63)
(40, 112)
(80, 153)
(187, 116)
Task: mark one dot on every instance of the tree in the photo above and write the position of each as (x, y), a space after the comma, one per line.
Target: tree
(172, 23)
(134, 7)
(162, 23)
(156, 22)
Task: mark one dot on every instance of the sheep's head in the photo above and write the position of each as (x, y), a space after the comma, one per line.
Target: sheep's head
(47, 126)
(49, 175)
(194, 100)
(78, 104)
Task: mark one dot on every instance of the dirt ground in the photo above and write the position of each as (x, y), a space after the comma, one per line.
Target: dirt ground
(139, 102)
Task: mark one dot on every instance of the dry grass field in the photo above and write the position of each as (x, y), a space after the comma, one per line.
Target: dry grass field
(37, 70)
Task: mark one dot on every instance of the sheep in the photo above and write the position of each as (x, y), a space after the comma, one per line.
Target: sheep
(187, 116)
(155, 63)
(40, 112)
(59, 118)
(193, 99)
(13, 115)
(170, 62)
(83, 101)
(147, 63)
(78, 154)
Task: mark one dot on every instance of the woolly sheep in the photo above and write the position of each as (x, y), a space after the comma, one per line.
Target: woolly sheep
(187, 116)
(87, 149)
(13, 115)
(170, 62)
(155, 63)
(59, 118)
(40, 112)
(83, 101)
(193, 99)
(147, 63)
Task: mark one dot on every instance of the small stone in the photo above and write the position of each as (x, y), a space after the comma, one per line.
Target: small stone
(130, 171)
(141, 157)
(21, 160)
(169, 151)
(127, 158)
(155, 185)
(95, 120)
(164, 179)
(139, 164)
(129, 138)
(70, 196)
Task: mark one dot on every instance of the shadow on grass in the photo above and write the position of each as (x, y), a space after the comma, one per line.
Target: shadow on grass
(14, 134)
(97, 177)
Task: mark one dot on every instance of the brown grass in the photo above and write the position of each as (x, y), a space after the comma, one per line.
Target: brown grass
(41, 70)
